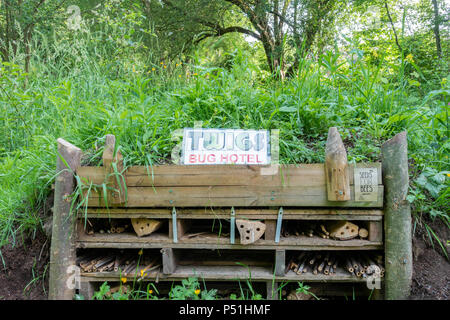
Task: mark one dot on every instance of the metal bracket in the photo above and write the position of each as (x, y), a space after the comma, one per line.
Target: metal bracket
(232, 225)
(174, 225)
(279, 222)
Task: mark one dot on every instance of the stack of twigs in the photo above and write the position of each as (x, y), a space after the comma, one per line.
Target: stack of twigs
(316, 263)
(106, 226)
(358, 264)
(304, 228)
(126, 264)
(364, 264)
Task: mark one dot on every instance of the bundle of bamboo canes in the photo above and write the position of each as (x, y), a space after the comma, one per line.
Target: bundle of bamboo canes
(358, 264)
(125, 264)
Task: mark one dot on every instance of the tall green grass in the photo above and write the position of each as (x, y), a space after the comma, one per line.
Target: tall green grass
(78, 91)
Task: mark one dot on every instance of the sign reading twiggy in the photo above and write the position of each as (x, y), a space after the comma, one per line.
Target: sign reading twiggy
(225, 146)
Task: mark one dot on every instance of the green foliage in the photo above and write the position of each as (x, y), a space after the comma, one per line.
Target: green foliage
(190, 290)
(304, 289)
(118, 75)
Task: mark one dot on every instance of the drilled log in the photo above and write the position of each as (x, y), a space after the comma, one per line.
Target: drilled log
(250, 231)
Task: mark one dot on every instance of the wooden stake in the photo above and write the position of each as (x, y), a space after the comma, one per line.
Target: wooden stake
(336, 168)
(397, 224)
(62, 251)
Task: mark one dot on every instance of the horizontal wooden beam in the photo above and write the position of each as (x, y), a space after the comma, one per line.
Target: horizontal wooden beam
(222, 213)
(212, 241)
(306, 175)
(187, 186)
(245, 196)
(227, 273)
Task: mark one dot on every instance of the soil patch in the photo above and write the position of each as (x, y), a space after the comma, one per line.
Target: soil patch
(25, 273)
(431, 275)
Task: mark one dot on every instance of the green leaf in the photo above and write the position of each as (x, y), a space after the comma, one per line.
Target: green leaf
(410, 198)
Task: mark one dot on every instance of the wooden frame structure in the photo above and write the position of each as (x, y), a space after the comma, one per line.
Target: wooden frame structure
(182, 195)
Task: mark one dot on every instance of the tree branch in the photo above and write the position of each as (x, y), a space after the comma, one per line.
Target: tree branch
(392, 24)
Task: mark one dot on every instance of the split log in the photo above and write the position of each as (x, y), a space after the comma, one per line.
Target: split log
(250, 231)
(397, 214)
(144, 226)
(336, 168)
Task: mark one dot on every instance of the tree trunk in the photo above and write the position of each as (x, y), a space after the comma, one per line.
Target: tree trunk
(392, 25)
(397, 224)
(436, 28)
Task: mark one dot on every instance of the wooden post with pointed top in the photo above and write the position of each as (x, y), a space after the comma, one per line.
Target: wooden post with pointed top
(108, 159)
(397, 214)
(336, 168)
(62, 252)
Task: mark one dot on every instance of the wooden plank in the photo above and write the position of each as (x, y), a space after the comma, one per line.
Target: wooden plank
(231, 273)
(220, 175)
(197, 213)
(272, 290)
(266, 218)
(183, 226)
(212, 241)
(228, 196)
(271, 226)
(86, 289)
(280, 262)
(375, 231)
(168, 260)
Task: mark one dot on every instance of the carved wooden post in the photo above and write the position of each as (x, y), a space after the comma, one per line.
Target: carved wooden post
(336, 168)
(108, 159)
(397, 226)
(62, 252)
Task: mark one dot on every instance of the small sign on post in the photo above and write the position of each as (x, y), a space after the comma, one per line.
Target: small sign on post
(225, 146)
(366, 184)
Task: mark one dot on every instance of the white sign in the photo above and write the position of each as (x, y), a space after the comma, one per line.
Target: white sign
(225, 146)
(366, 184)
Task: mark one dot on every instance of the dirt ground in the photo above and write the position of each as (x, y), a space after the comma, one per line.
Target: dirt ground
(26, 274)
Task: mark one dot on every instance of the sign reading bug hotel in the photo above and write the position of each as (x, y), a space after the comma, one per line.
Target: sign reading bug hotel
(225, 146)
